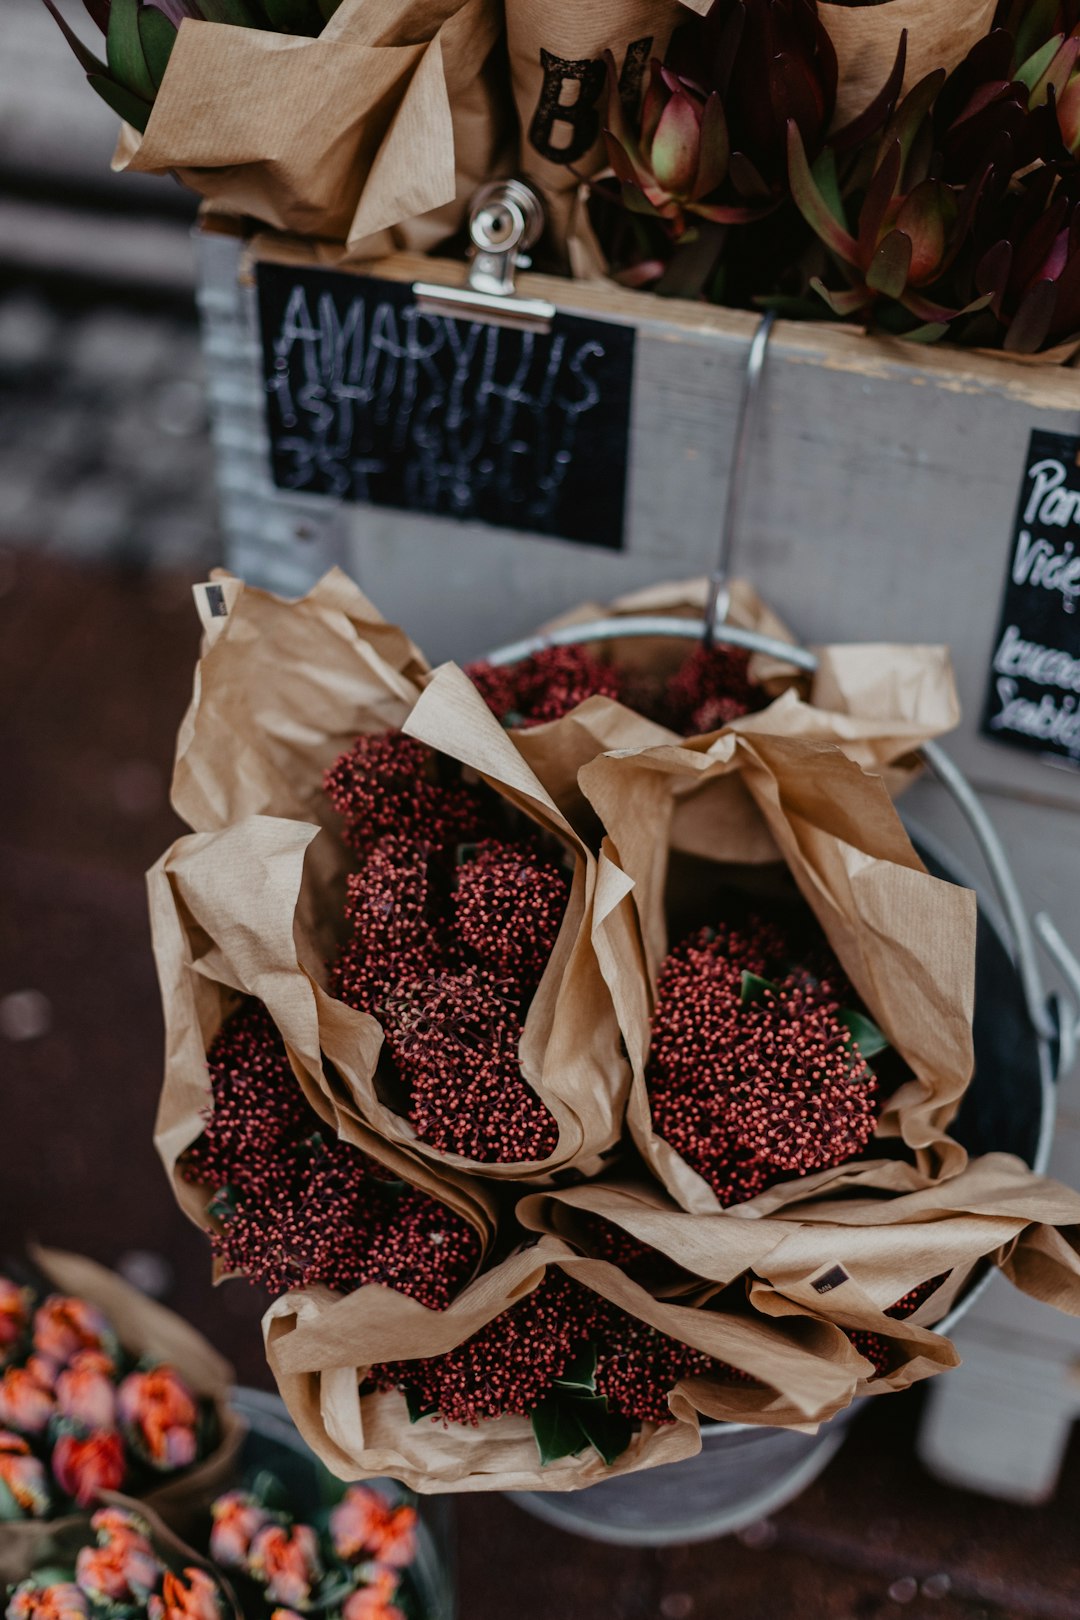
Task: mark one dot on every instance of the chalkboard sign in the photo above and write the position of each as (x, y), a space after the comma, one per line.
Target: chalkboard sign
(371, 398)
(1033, 698)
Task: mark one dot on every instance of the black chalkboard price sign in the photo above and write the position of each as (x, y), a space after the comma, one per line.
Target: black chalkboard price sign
(371, 398)
(1033, 696)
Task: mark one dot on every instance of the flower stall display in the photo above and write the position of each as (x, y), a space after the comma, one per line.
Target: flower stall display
(104, 1392)
(912, 169)
(117, 1562)
(742, 1056)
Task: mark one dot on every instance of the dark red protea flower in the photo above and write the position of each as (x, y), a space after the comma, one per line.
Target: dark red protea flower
(752, 1080)
(508, 905)
(295, 1209)
(709, 690)
(455, 1038)
(544, 687)
(387, 783)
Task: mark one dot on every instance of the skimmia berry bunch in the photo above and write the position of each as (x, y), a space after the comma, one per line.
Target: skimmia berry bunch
(118, 1574)
(77, 1416)
(140, 34)
(759, 1067)
(583, 1371)
(708, 690)
(352, 1560)
(295, 1207)
(450, 924)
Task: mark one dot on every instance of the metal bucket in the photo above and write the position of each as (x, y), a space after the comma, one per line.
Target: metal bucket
(1023, 1042)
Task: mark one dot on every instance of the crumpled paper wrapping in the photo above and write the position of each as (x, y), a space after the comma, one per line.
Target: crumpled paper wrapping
(144, 1329)
(320, 1348)
(878, 701)
(391, 115)
(906, 940)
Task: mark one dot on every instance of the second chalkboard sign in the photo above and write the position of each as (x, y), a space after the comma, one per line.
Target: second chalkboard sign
(371, 398)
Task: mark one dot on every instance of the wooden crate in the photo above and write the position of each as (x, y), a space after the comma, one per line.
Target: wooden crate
(883, 480)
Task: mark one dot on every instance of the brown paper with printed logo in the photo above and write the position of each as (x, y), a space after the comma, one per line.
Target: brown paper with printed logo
(747, 806)
(320, 1350)
(391, 115)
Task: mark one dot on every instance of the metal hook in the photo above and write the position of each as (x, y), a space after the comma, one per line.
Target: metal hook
(716, 608)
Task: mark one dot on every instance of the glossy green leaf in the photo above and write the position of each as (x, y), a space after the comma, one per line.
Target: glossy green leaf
(127, 62)
(557, 1431)
(676, 146)
(1031, 71)
(85, 57)
(715, 149)
(754, 988)
(812, 205)
(867, 1036)
(887, 271)
(581, 1374)
(158, 36)
(609, 1433)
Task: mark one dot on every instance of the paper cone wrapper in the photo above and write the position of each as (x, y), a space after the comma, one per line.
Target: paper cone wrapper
(222, 911)
(879, 702)
(146, 1330)
(866, 38)
(389, 114)
(745, 807)
(320, 1349)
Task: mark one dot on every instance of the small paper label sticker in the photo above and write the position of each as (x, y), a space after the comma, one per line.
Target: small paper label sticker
(216, 604)
(1033, 694)
(829, 1280)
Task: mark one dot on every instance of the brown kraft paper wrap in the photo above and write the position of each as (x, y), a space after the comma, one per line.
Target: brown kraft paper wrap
(557, 72)
(389, 114)
(320, 1350)
(221, 909)
(866, 38)
(879, 702)
(147, 1330)
(849, 1260)
(906, 940)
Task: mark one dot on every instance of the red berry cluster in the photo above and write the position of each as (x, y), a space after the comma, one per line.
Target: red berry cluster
(297, 1209)
(509, 1366)
(710, 688)
(446, 946)
(749, 1092)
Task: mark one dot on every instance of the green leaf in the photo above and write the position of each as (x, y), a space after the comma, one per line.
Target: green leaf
(86, 58)
(812, 205)
(9, 1508)
(124, 51)
(557, 1431)
(417, 1410)
(267, 1488)
(130, 108)
(888, 270)
(844, 304)
(607, 1432)
(581, 1374)
(158, 36)
(754, 988)
(867, 1036)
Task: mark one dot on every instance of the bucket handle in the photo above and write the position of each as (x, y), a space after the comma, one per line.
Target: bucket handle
(1056, 1020)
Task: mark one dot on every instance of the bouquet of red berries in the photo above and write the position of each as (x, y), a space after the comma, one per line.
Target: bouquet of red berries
(497, 1005)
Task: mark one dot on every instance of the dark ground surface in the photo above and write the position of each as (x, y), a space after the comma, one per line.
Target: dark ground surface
(96, 666)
